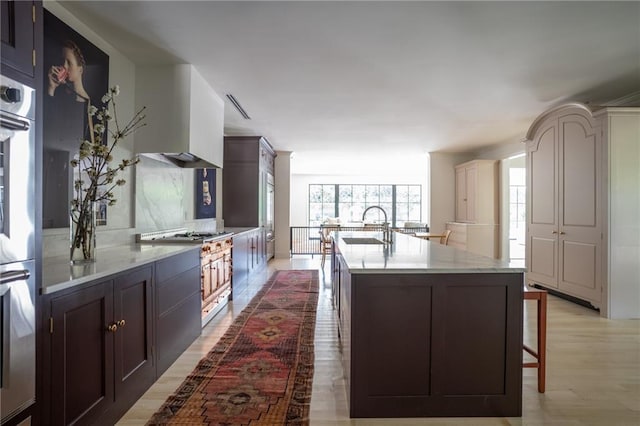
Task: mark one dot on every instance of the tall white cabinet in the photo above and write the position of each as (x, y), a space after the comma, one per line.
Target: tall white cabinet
(476, 211)
(568, 204)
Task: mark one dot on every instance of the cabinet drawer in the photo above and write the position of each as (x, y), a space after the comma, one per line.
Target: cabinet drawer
(177, 264)
(177, 329)
(178, 288)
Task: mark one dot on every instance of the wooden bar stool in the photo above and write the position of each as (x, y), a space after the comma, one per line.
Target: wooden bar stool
(540, 355)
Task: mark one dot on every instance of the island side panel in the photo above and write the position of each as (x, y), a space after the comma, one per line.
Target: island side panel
(343, 311)
(432, 345)
(477, 344)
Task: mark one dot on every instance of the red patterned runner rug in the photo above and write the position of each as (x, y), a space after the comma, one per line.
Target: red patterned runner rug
(260, 372)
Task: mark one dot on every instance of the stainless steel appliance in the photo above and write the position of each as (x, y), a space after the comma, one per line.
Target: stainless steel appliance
(215, 262)
(269, 225)
(17, 250)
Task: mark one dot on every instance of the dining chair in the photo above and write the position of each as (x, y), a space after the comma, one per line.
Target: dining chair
(445, 237)
(325, 244)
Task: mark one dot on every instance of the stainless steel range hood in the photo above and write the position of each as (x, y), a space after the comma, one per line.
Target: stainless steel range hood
(188, 160)
(185, 117)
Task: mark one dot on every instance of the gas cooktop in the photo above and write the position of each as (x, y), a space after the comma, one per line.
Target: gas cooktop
(179, 236)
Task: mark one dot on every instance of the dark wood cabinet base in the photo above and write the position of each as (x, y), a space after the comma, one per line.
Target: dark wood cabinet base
(98, 352)
(432, 345)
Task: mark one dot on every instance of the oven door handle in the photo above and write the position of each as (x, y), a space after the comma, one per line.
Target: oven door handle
(12, 123)
(7, 277)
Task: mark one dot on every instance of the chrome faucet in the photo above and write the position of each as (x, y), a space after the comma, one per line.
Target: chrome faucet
(386, 236)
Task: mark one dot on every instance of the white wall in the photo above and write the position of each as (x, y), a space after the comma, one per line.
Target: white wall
(282, 200)
(443, 187)
(623, 130)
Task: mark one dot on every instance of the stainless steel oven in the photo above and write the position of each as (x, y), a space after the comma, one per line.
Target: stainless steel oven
(17, 249)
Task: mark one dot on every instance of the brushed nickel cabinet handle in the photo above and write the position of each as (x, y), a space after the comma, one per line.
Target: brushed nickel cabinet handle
(121, 323)
(112, 328)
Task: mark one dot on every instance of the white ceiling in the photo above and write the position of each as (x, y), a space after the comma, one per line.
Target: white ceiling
(371, 77)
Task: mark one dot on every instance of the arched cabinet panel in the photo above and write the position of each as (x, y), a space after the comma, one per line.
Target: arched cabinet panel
(564, 219)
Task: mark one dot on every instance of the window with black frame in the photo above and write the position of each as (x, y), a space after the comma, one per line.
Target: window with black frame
(402, 203)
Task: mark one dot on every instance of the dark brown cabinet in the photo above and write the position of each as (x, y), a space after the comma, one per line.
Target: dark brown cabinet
(100, 349)
(431, 345)
(247, 258)
(248, 190)
(178, 306)
(19, 32)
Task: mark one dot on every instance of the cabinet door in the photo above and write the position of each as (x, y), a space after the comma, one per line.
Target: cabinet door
(17, 31)
(206, 275)
(542, 207)
(471, 192)
(579, 214)
(461, 195)
(82, 355)
(241, 258)
(254, 246)
(134, 365)
(217, 273)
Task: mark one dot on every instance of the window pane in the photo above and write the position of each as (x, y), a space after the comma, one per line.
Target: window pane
(328, 193)
(402, 212)
(358, 193)
(346, 212)
(522, 194)
(315, 193)
(414, 212)
(328, 210)
(356, 211)
(346, 193)
(315, 214)
(386, 193)
(388, 208)
(415, 193)
(402, 193)
(373, 194)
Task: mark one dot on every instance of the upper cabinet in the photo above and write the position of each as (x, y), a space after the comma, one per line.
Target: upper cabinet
(476, 192)
(185, 116)
(248, 162)
(248, 188)
(19, 31)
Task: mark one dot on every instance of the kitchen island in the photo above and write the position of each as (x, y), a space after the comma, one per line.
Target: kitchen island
(427, 330)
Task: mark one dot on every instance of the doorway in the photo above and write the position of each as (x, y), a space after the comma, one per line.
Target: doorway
(515, 209)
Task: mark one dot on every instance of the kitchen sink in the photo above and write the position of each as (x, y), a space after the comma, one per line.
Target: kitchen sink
(361, 240)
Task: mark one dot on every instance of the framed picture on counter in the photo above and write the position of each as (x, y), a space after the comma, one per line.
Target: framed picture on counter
(205, 193)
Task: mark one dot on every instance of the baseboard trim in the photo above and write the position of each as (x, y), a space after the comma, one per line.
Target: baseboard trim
(573, 299)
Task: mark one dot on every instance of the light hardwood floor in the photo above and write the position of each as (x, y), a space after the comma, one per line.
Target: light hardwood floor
(593, 366)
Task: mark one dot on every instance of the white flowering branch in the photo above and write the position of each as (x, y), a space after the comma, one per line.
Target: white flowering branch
(94, 161)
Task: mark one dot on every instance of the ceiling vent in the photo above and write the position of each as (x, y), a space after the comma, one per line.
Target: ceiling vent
(236, 104)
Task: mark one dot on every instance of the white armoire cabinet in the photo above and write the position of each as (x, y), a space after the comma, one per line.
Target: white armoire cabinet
(476, 210)
(564, 203)
(573, 192)
(476, 191)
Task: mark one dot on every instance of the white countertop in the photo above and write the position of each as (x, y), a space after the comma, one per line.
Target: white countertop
(410, 255)
(58, 274)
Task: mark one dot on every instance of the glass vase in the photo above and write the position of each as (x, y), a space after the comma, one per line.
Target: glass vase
(83, 233)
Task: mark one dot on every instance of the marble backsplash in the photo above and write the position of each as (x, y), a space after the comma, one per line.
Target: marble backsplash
(160, 195)
(164, 196)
